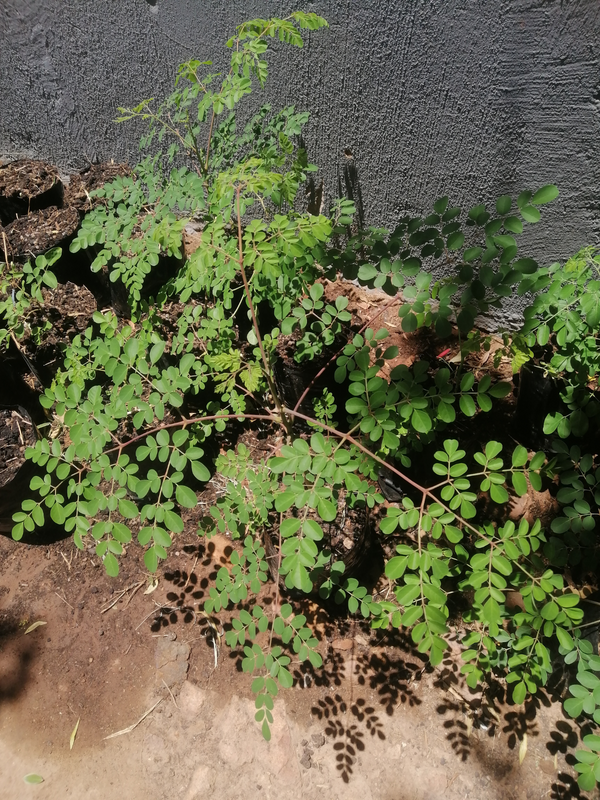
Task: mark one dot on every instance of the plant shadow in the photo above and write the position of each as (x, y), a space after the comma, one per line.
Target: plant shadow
(17, 657)
(351, 724)
(190, 587)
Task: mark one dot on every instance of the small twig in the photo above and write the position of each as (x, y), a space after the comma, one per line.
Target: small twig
(134, 586)
(171, 693)
(64, 601)
(24, 420)
(113, 602)
(588, 624)
(68, 563)
(467, 702)
(20, 434)
(135, 589)
(191, 573)
(5, 247)
(158, 605)
(135, 724)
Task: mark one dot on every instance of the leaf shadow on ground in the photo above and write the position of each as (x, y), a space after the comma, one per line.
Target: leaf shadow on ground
(565, 788)
(492, 712)
(487, 712)
(190, 589)
(360, 663)
(351, 719)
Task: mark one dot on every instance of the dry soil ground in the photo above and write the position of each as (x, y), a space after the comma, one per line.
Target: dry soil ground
(377, 724)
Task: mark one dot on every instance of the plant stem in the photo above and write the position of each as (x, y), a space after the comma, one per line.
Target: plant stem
(367, 324)
(212, 122)
(284, 418)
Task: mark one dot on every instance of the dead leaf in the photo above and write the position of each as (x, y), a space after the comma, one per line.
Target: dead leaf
(34, 625)
(469, 726)
(523, 748)
(73, 735)
(514, 600)
(33, 778)
(342, 644)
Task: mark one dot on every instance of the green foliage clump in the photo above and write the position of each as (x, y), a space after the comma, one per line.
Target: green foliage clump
(20, 291)
(563, 320)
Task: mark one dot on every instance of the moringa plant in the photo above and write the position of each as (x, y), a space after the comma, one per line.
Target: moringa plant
(139, 403)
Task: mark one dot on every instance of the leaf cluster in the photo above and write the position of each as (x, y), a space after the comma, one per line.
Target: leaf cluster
(479, 252)
(21, 291)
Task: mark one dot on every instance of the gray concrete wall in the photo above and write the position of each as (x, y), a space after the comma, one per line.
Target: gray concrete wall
(471, 98)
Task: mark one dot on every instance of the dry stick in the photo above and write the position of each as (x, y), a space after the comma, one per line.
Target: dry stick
(135, 724)
(113, 602)
(68, 563)
(149, 615)
(64, 601)
(20, 433)
(5, 243)
(21, 417)
(135, 589)
(134, 586)
(171, 693)
(191, 573)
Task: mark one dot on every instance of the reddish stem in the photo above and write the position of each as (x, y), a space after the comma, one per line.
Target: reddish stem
(337, 353)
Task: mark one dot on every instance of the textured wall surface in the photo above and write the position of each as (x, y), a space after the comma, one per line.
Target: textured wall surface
(471, 98)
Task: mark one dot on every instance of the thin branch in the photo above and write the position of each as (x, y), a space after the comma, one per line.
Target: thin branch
(347, 437)
(286, 422)
(339, 351)
(212, 122)
(135, 724)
